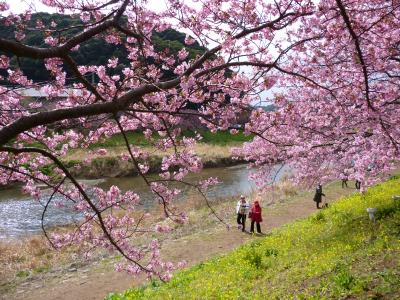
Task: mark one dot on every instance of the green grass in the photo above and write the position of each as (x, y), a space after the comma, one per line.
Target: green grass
(117, 140)
(22, 274)
(336, 253)
(220, 138)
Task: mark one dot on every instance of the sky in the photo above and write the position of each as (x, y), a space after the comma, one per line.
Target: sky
(19, 6)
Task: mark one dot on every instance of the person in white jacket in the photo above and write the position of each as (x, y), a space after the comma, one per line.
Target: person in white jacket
(242, 208)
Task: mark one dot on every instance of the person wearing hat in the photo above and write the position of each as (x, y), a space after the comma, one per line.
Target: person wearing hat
(242, 208)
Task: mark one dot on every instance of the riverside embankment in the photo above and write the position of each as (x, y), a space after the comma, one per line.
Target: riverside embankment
(112, 164)
(214, 150)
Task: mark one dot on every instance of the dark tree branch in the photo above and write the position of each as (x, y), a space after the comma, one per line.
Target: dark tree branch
(358, 49)
(74, 68)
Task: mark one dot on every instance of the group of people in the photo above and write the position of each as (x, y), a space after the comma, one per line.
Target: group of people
(344, 182)
(243, 210)
(318, 191)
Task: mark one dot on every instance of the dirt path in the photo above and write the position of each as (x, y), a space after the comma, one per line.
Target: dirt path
(99, 279)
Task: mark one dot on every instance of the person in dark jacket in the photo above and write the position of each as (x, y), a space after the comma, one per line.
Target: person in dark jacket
(318, 195)
(358, 184)
(256, 217)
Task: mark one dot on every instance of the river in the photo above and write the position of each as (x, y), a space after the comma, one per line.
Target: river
(20, 215)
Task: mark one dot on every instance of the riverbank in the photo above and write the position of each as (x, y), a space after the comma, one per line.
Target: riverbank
(201, 239)
(84, 165)
(214, 150)
(337, 253)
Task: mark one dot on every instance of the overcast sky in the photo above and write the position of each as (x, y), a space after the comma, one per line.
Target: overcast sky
(18, 6)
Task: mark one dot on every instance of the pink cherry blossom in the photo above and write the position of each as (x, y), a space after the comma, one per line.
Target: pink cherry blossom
(330, 69)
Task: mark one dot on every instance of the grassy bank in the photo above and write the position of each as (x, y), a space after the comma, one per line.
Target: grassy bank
(220, 138)
(214, 149)
(112, 165)
(335, 253)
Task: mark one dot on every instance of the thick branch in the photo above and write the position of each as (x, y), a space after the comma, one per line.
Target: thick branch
(358, 49)
(42, 118)
(22, 50)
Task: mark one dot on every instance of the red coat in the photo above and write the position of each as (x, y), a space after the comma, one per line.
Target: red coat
(256, 213)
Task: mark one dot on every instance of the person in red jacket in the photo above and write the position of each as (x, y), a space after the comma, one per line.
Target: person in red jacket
(256, 217)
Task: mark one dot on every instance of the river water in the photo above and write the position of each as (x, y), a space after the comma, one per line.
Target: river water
(21, 216)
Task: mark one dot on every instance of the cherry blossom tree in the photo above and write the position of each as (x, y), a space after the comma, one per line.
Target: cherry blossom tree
(339, 105)
(330, 67)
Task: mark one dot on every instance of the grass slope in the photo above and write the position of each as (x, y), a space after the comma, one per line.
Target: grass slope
(335, 253)
(221, 138)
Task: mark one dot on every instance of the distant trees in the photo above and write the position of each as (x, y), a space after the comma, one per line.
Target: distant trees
(95, 51)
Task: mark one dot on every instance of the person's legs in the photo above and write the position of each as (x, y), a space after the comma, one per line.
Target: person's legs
(244, 222)
(258, 227)
(317, 202)
(252, 226)
(238, 219)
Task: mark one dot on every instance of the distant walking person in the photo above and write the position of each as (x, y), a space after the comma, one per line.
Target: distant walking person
(345, 178)
(256, 217)
(242, 208)
(358, 184)
(344, 183)
(318, 195)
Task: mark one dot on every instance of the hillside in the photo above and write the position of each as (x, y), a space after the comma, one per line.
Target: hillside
(88, 53)
(336, 253)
